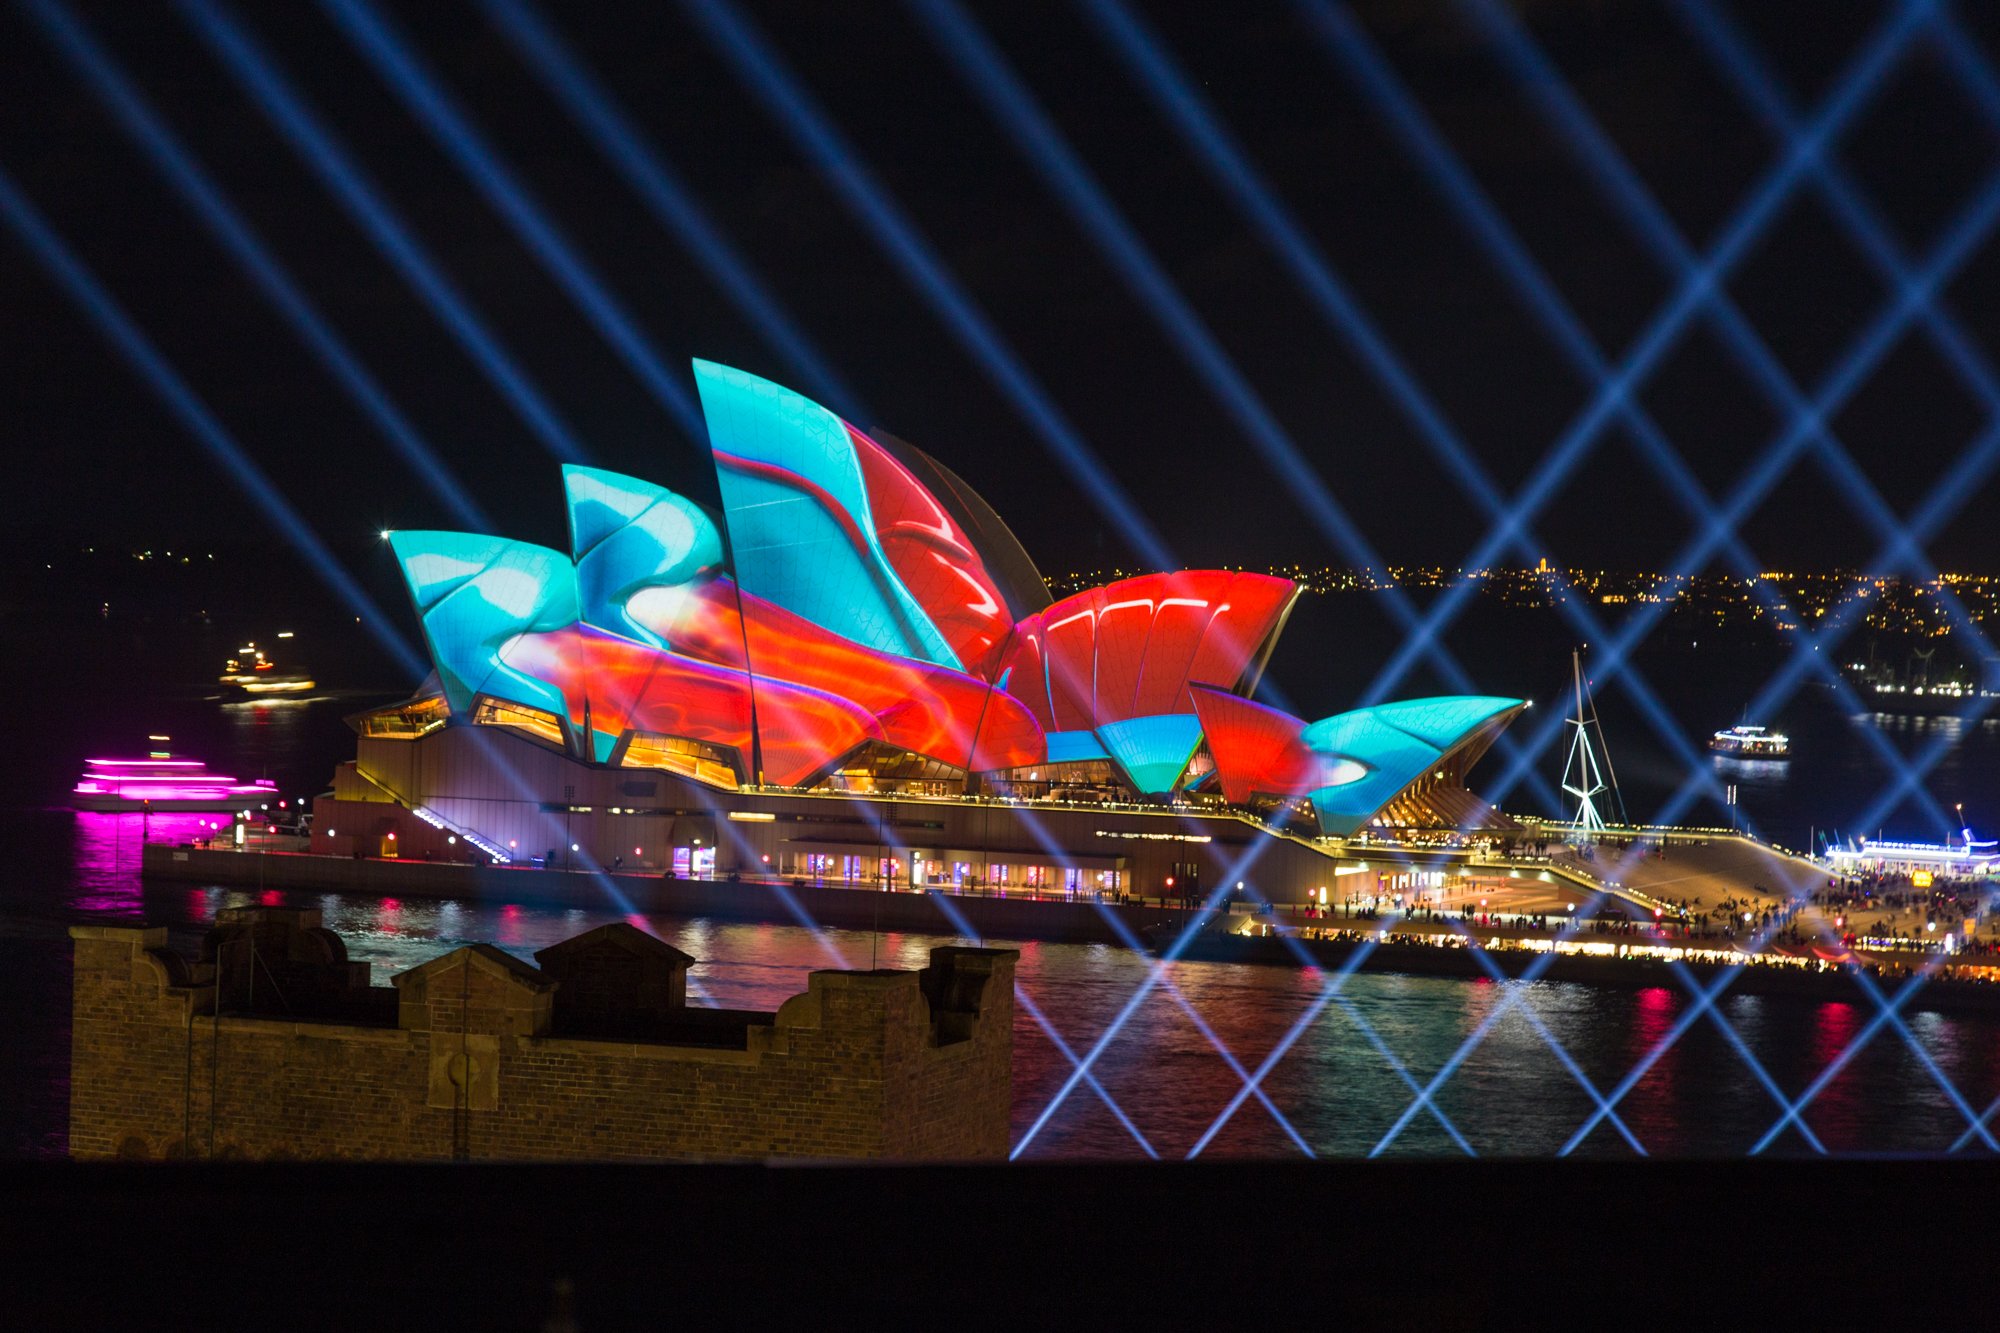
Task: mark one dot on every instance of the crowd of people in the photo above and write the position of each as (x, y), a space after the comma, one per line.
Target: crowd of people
(1873, 914)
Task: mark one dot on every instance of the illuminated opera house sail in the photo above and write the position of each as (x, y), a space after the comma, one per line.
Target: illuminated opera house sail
(857, 623)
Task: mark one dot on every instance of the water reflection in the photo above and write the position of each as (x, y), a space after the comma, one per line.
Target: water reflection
(1340, 1092)
(1339, 1089)
(1754, 772)
(108, 847)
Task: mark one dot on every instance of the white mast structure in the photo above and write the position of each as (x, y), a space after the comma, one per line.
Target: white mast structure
(1585, 776)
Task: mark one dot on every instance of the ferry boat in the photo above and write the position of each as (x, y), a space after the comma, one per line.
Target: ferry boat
(255, 673)
(1880, 687)
(1921, 861)
(1751, 743)
(161, 783)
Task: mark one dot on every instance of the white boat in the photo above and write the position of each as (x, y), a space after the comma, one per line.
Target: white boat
(254, 673)
(1751, 743)
(161, 782)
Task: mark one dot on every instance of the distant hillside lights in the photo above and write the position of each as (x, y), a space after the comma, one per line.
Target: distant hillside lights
(1885, 603)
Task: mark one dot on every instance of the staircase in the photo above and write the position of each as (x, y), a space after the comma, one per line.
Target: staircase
(500, 855)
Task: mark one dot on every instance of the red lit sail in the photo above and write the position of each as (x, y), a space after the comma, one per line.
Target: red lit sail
(1131, 648)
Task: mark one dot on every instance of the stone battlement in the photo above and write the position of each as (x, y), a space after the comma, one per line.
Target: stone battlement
(272, 1044)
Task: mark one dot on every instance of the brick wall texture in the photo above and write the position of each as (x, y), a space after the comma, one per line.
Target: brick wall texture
(476, 1057)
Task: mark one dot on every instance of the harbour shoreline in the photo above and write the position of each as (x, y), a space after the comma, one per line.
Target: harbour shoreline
(1405, 949)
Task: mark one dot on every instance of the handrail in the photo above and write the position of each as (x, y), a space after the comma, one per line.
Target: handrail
(492, 849)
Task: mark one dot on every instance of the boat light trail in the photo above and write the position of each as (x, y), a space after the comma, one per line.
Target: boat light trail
(234, 462)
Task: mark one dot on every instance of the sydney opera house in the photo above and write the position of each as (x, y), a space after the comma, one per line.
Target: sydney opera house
(855, 674)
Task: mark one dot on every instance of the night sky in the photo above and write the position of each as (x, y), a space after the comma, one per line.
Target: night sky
(99, 457)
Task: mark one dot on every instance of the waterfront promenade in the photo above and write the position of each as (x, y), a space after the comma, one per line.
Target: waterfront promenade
(1705, 903)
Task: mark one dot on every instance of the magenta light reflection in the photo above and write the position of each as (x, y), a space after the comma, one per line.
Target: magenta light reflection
(108, 850)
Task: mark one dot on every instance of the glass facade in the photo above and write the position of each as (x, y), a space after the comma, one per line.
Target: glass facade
(493, 713)
(705, 763)
(406, 721)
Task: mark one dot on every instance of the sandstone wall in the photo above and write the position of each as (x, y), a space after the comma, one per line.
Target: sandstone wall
(475, 1065)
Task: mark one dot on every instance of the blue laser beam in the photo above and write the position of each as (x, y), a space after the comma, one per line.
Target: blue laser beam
(667, 197)
(391, 236)
(1225, 162)
(122, 333)
(1889, 1013)
(1954, 249)
(1703, 1003)
(1737, 236)
(985, 71)
(424, 95)
(760, 70)
(528, 795)
(1949, 495)
(1985, 1118)
(1563, 1057)
(957, 918)
(1731, 52)
(799, 914)
(227, 226)
(1177, 99)
(1145, 988)
(1330, 993)
(1252, 1087)
(871, 813)
(1615, 178)
(1001, 92)
(1885, 1015)
(1704, 999)
(1037, 829)
(1509, 998)
(1348, 44)
(1050, 847)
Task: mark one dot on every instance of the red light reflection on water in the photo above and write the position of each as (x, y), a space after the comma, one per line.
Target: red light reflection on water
(1651, 1019)
(1653, 1107)
(1835, 1112)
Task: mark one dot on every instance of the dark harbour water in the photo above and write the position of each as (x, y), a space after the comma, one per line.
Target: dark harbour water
(1338, 1089)
(1340, 1084)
